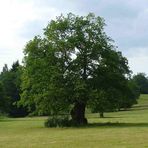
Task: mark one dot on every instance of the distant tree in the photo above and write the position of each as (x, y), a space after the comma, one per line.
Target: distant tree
(10, 80)
(142, 81)
(2, 99)
(130, 97)
(116, 93)
(104, 101)
(5, 68)
(70, 66)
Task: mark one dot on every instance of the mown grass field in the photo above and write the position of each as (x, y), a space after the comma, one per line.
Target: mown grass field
(126, 129)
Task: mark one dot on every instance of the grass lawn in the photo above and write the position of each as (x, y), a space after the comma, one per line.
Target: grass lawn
(126, 129)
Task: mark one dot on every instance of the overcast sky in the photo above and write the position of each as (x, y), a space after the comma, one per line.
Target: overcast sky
(127, 25)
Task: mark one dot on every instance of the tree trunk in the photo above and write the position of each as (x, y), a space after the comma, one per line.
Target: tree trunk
(78, 114)
(101, 115)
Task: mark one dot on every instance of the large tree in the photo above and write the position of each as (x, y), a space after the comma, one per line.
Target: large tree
(74, 60)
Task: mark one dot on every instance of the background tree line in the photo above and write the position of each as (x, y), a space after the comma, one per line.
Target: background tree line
(10, 81)
(10, 90)
(74, 66)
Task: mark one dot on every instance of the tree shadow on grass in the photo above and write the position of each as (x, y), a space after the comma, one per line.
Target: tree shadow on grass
(106, 117)
(99, 125)
(8, 120)
(141, 107)
(14, 119)
(116, 125)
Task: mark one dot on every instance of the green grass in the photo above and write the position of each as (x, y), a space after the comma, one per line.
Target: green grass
(126, 129)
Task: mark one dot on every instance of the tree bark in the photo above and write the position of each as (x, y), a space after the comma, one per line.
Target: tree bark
(78, 114)
(101, 115)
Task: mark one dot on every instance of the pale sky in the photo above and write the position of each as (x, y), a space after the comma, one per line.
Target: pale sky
(127, 25)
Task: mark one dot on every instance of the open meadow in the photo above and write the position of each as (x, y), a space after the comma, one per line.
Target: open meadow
(124, 129)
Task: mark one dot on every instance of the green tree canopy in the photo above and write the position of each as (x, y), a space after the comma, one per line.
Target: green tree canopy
(142, 81)
(2, 99)
(10, 80)
(70, 66)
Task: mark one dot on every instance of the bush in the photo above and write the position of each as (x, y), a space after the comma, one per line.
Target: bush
(58, 122)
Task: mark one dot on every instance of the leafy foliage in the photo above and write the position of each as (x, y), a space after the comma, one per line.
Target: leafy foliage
(142, 81)
(58, 122)
(71, 66)
(10, 88)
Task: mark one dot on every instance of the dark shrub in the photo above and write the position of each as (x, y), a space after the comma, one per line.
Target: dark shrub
(58, 122)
